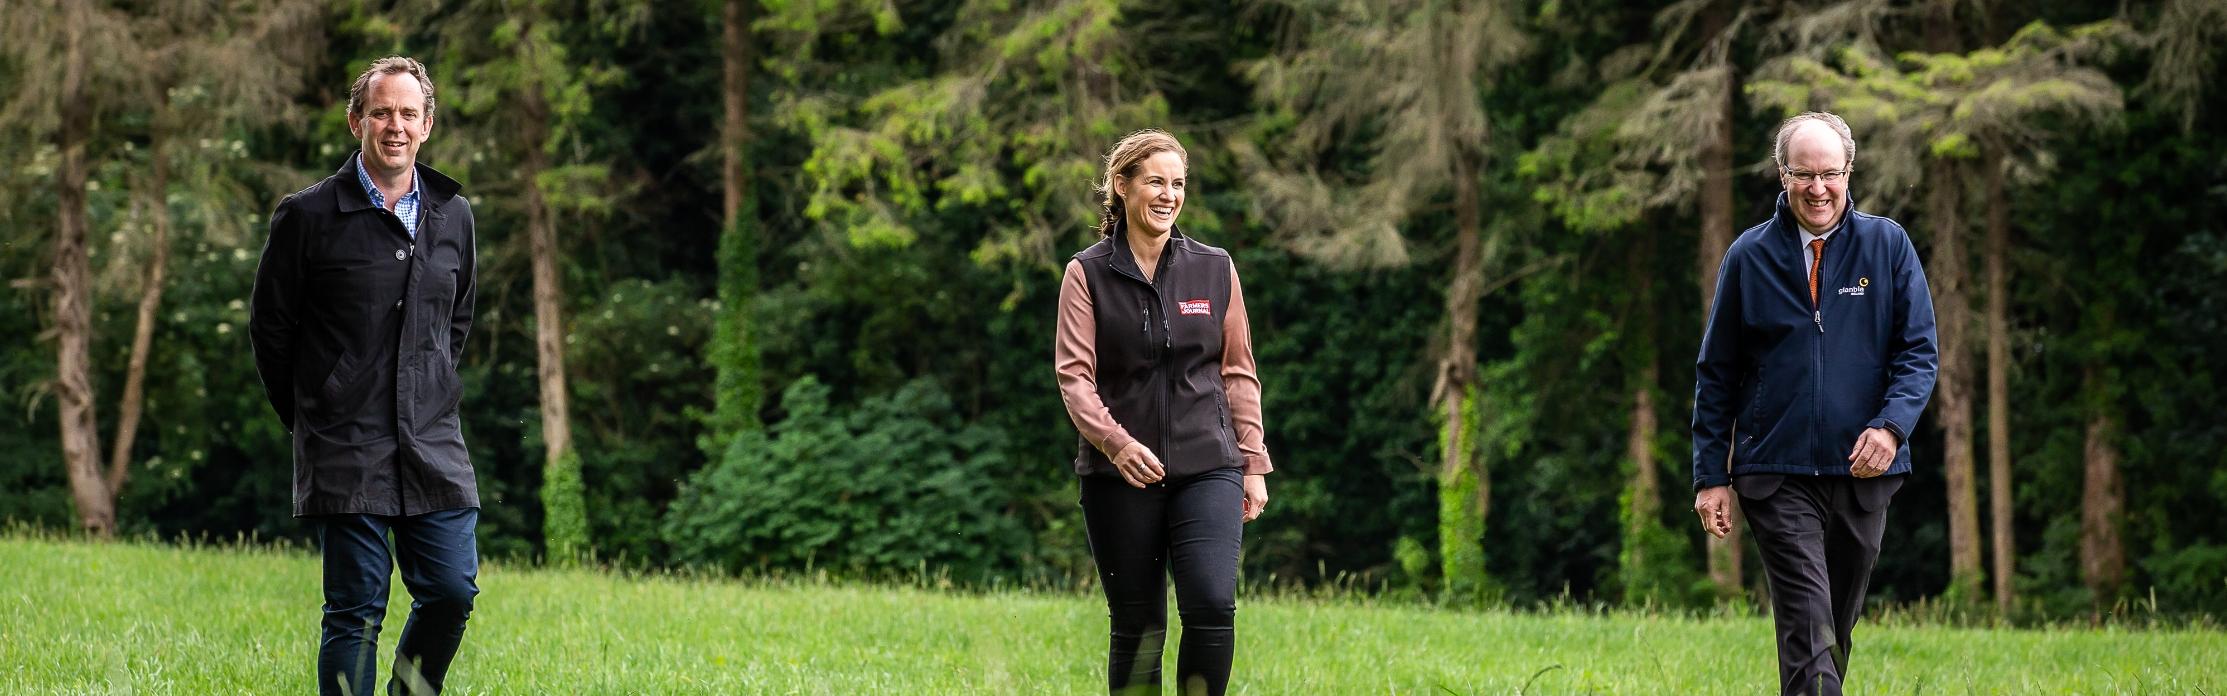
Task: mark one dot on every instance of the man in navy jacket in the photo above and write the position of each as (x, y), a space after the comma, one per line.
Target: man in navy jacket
(1818, 358)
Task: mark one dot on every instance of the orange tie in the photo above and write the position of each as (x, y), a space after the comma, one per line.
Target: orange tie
(1816, 256)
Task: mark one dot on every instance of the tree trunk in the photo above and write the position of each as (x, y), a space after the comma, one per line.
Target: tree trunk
(735, 350)
(735, 127)
(1998, 388)
(1716, 236)
(564, 510)
(1952, 311)
(1953, 395)
(1645, 492)
(2102, 556)
(1642, 492)
(156, 199)
(1465, 489)
(73, 295)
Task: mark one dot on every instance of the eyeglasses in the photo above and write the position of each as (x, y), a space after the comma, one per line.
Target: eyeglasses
(1806, 178)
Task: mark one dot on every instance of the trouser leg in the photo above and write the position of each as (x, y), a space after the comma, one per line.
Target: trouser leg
(356, 566)
(439, 556)
(1128, 539)
(1206, 529)
(1851, 551)
(1790, 531)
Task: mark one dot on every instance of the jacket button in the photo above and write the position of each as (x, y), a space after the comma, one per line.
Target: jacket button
(400, 254)
(398, 304)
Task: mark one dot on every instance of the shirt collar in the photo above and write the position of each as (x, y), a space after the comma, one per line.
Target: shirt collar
(1807, 237)
(379, 200)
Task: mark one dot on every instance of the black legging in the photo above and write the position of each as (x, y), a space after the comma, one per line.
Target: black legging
(1191, 528)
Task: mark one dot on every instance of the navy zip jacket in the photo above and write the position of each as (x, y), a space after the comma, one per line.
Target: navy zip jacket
(1782, 388)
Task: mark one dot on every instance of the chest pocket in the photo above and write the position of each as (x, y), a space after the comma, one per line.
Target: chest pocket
(1196, 324)
(1129, 334)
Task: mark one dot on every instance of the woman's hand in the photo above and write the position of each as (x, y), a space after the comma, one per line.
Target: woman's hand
(1256, 496)
(1138, 465)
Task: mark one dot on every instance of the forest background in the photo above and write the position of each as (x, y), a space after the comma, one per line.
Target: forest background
(768, 286)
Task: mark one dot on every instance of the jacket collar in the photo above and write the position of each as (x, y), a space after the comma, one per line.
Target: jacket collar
(434, 188)
(1126, 262)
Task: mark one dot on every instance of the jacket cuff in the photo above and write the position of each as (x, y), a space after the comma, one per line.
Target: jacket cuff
(1899, 436)
(1708, 482)
(1256, 465)
(1116, 443)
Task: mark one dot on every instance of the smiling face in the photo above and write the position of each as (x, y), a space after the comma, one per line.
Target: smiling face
(1152, 196)
(1813, 148)
(392, 125)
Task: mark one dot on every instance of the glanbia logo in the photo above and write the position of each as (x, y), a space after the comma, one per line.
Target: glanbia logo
(1198, 307)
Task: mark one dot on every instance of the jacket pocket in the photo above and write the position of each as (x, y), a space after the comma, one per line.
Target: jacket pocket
(1873, 494)
(1770, 408)
(1221, 409)
(343, 373)
(1223, 435)
(1756, 400)
(451, 384)
(1757, 486)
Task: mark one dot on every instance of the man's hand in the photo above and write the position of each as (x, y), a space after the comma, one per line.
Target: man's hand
(1874, 452)
(1256, 496)
(1714, 504)
(1138, 465)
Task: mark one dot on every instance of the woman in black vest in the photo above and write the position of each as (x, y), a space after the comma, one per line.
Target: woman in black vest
(1156, 366)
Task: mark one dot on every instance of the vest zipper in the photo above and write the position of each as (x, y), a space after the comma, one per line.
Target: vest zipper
(1167, 343)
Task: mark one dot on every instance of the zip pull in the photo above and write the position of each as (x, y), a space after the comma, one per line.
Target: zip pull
(1147, 326)
(1167, 336)
(1818, 316)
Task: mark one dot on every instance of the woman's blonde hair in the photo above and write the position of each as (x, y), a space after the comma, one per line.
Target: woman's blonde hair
(1122, 161)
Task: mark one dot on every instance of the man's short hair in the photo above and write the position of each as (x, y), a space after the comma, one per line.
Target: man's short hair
(1786, 130)
(390, 65)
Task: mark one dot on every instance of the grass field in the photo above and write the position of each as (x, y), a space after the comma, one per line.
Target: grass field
(151, 619)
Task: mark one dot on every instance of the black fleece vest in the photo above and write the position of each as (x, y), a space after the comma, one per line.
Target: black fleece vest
(1160, 352)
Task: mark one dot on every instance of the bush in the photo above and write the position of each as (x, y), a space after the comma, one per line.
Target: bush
(897, 485)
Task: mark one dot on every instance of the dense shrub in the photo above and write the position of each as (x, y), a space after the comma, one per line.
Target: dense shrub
(896, 484)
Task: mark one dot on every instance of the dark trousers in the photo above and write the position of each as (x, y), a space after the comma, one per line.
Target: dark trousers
(1819, 537)
(1190, 528)
(439, 556)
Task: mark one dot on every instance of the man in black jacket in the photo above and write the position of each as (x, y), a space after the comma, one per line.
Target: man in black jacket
(1819, 356)
(362, 302)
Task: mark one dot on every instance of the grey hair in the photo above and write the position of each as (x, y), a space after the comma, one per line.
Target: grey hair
(1786, 130)
(390, 65)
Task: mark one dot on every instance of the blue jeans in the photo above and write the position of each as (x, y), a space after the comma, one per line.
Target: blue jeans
(439, 556)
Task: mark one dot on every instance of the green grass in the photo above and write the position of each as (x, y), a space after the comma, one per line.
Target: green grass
(155, 619)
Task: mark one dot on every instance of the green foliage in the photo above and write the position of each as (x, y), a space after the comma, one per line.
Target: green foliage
(633, 351)
(1461, 519)
(896, 485)
(2010, 99)
(735, 346)
(920, 170)
(1586, 175)
(1002, 133)
(564, 525)
(1654, 570)
(1413, 127)
(2189, 575)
